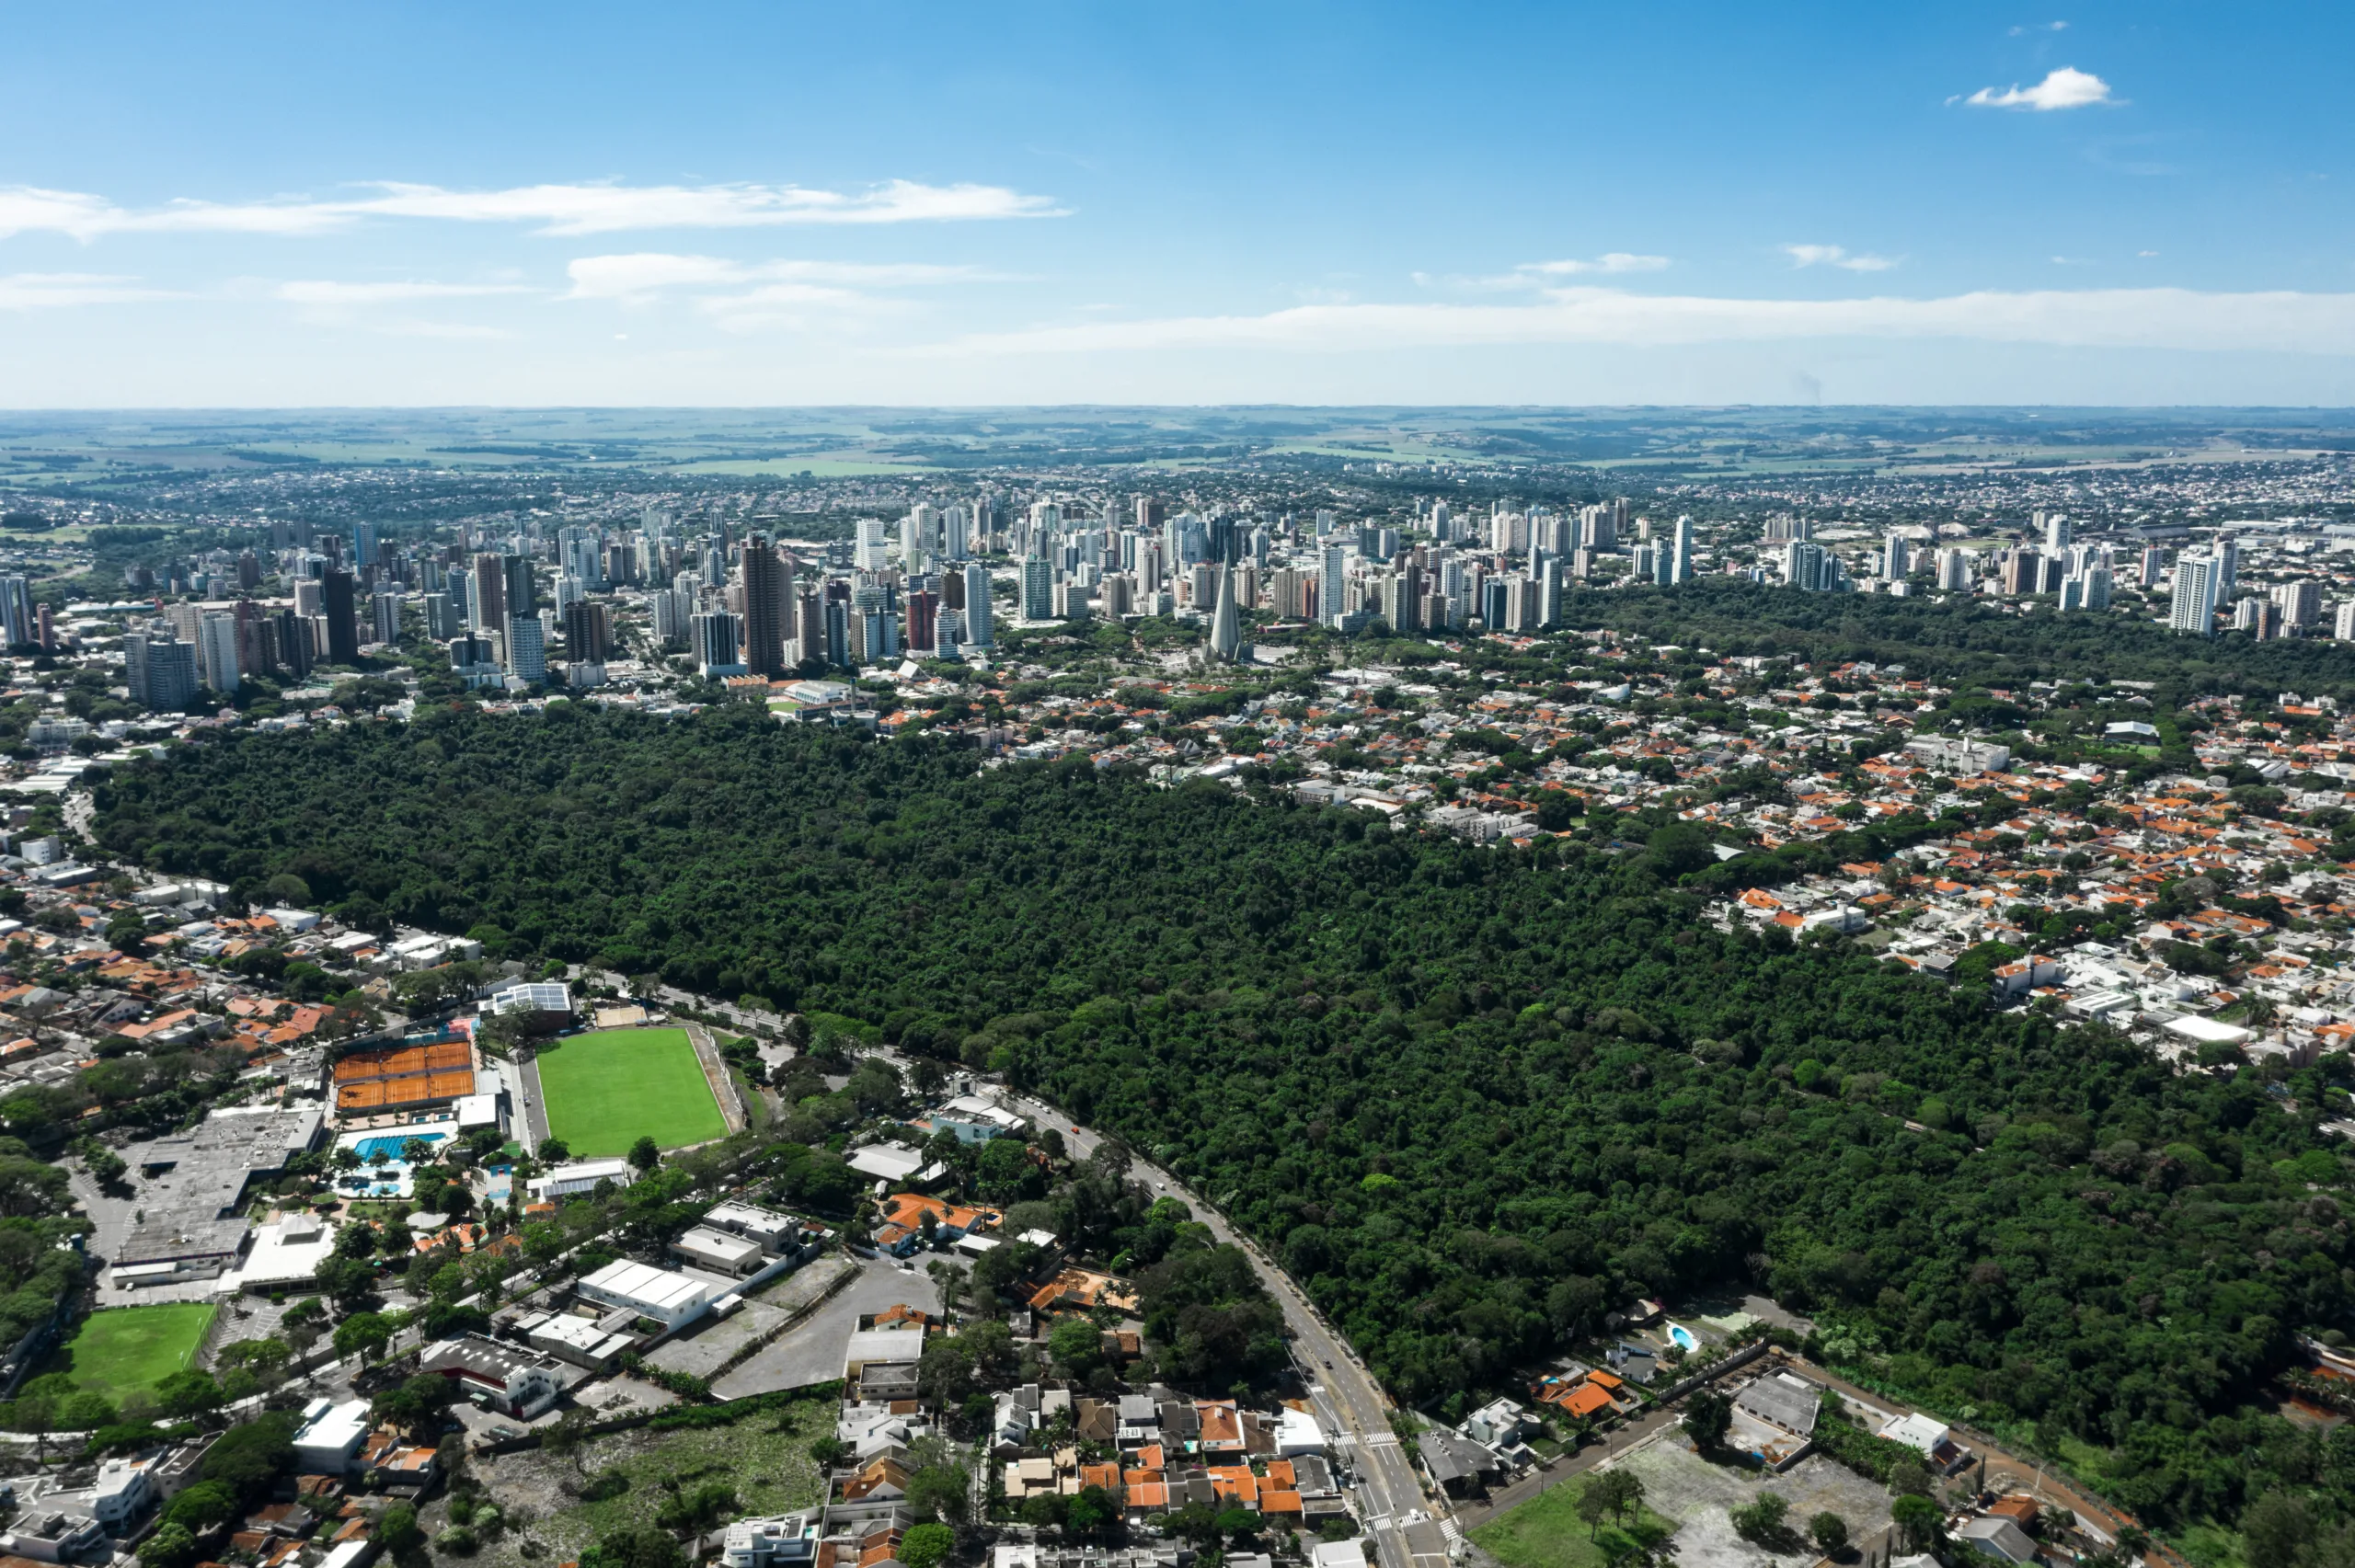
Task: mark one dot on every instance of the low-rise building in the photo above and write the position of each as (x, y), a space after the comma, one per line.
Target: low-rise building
(504, 1377)
(327, 1443)
(663, 1294)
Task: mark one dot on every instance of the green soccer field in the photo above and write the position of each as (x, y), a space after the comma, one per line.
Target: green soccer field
(606, 1091)
(125, 1349)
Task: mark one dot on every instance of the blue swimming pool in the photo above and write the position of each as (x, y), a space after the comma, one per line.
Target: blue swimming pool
(393, 1143)
(1681, 1335)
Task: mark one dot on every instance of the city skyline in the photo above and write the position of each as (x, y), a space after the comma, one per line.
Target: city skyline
(752, 206)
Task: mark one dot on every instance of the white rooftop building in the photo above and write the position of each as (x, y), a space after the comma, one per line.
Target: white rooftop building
(669, 1297)
(529, 996)
(328, 1440)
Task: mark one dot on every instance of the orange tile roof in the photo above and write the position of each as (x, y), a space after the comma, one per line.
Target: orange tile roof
(1236, 1482)
(1222, 1425)
(1586, 1399)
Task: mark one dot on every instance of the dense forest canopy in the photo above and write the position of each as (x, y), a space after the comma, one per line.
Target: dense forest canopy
(1476, 1098)
(1961, 640)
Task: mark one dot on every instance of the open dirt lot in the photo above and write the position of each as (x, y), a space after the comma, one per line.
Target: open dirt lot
(1700, 1496)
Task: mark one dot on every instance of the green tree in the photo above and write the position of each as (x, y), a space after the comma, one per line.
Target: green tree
(1708, 1415)
(172, 1546)
(364, 1334)
(927, 1546)
(1919, 1521)
(397, 1530)
(1830, 1533)
(939, 1492)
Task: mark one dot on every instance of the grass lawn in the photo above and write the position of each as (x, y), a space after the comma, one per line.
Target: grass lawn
(1546, 1532)
(128, 1348)
(606, 1089)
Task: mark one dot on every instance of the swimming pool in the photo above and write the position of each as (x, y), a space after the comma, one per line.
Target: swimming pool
(1683, 1337)
(393, 1143)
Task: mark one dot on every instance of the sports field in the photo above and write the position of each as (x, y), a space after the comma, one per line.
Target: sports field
(129, 1348)
(607, 1090)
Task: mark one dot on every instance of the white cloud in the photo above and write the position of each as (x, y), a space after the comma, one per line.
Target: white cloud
(1536, 274)
(2067, 87)
(1610, 261)
(643, 274)
(46, 290)
(557, 208)
(2040, 27)
(1835, 255)
(2281, 322)
(322, 291)
(742, 295)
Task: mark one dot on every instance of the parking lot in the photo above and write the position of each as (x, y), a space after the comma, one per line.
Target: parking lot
(811, 1351)
(712, 1343)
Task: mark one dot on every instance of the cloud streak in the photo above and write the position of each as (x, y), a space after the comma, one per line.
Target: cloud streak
(1833, 255)
(561, 209)
(642, 275)
(2067, 87)
(2282, 322)
(741, 296)
(51, 290)
(323, 292)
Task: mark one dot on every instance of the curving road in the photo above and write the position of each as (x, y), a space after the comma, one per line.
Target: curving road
(1349, 1402)
(1390, 1499)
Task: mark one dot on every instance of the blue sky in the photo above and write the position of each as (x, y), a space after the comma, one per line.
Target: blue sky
(900, 203)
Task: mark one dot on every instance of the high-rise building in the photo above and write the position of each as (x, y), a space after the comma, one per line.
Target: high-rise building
(764, 608)
(339, 606)
(924, 620)
(1810, 565)
(717, 636)
(527, 648)
(2198, 585)
(489, 601)
(2023, 571)
(979, 622)
(2089, 589)
(2343, 627)
(2228, 567)
(17, 622)
(297, 642)
(2056, 530)
(1680, 556)
(2154, 562)
(217, 652)
(384, 607)
(1038, 586)
(363, 545)
(160, 671)
(587, 635)
(872, 548)
(2301, 603)
(1954, 571)
(519, 585)
(1896, 558)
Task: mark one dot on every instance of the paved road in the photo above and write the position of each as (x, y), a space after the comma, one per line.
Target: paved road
(526, 1077)
(1348, 1399)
